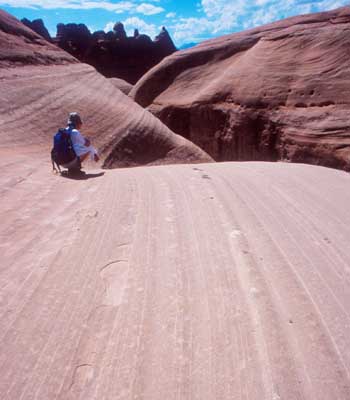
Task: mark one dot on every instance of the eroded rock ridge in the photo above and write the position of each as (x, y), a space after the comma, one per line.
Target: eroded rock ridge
(278, 92)
(41, 84)
(114, 54)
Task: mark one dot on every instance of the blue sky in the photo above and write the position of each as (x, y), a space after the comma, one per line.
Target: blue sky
(187, 20)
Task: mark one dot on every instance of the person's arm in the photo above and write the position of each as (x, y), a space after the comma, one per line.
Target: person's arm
(77, 137)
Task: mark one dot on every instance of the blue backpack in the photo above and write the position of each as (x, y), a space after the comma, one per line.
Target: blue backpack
(62, 151)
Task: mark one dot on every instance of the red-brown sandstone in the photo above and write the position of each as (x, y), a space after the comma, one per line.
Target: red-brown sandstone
(215, 281)
(278, 92)
(122, 85)
(41, 84)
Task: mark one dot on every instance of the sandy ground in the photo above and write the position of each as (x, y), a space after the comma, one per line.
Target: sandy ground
(212, 281)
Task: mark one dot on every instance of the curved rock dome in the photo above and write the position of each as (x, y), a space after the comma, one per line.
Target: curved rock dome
(278, 92)
(41, 84)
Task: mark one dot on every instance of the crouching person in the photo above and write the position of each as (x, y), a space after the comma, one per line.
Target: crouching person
(81, 145)
(70, 147)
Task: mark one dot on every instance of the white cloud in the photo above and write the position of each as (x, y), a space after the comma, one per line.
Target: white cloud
(132, 23)
(171, 15)
(231, 16)
(109, 26)
(119, 7)
(223, 16)
(218, 16)
(137, 23)
(215, 8)
(192, 29)
(261, 17)
(149, 9)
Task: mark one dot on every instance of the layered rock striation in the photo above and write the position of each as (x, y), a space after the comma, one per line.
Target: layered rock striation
(19, 45)
(278, 92)
(122, 85)
(41, 84)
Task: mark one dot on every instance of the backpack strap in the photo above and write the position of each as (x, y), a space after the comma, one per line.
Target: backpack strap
(54, 164)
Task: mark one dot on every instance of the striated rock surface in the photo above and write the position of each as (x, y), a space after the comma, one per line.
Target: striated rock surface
(222, 281)
(19, 45)
(122, 85)
(36, 99)
(215, 281)
(278, 92)
(114, 54)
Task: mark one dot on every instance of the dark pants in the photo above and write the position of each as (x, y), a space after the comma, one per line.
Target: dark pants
(75, 164)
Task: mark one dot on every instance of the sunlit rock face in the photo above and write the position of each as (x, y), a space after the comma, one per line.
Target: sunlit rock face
(20, 45)
(122, 85)
(41, 84)
(277, 92)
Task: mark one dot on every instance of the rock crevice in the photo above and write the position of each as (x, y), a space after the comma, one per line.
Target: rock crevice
(269, 93)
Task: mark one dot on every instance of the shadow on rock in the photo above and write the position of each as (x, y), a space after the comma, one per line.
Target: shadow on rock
(81, 175)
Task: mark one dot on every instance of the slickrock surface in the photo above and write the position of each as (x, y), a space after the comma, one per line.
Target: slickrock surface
(35, 101)
(281, 91)
(19, 45)
(211, 281)
(122, 85)
(219, 281)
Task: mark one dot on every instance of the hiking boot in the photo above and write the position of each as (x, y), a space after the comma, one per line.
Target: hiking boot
(75, 171)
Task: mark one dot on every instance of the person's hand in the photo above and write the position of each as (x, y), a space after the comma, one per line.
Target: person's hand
(87, 142)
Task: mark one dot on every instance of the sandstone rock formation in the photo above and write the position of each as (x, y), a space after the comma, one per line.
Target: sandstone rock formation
(76, 39)
(164, 43)
(38, 26)
(216, 281)
(114, 54)
(19, 45)
(278, 92)
(35, 101)
(119, 31)
(208, 282)
(122, 85)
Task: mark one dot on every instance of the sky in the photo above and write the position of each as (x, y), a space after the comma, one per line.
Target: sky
(186, 20)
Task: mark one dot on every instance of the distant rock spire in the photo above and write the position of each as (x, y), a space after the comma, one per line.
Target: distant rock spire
(37, 25)
(114, 54)
(74, 38)
(119, 31)
(165, 41)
